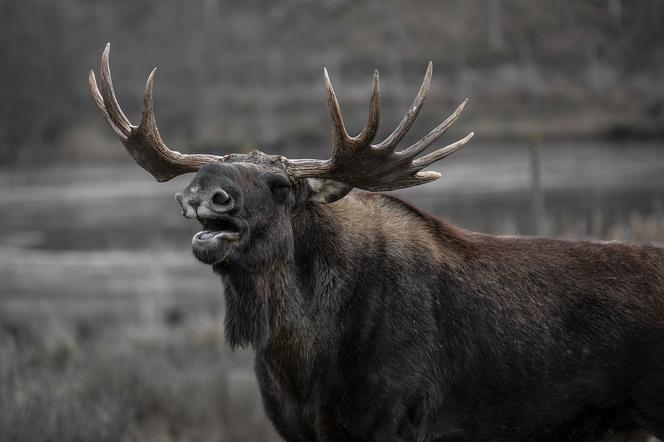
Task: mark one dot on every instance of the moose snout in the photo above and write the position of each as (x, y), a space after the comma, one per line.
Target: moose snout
(204, 204)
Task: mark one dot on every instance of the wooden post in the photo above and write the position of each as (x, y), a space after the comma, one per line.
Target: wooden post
(536, 195)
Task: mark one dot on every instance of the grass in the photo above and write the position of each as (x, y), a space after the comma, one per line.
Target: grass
(182, 385)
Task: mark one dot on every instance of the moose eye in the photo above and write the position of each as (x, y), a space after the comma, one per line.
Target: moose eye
(279, 186)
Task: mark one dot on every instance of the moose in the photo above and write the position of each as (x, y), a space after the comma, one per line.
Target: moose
(374, 320)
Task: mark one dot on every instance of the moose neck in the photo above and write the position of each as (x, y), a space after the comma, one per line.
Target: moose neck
(271, 300)
(286, 299)
(296, 302)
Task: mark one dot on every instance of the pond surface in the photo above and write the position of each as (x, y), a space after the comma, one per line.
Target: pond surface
(106, 238)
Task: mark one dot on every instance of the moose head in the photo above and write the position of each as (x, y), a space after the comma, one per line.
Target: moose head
(245, 202)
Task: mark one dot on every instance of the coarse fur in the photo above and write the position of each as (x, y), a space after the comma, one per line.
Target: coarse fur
(373, 320)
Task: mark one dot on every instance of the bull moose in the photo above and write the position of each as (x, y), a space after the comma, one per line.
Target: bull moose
(374, 320)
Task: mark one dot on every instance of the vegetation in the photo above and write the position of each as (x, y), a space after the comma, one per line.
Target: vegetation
(177, 386)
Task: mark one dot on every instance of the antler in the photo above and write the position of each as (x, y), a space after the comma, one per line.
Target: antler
(143, 142)
(355, 161)
(358, 163)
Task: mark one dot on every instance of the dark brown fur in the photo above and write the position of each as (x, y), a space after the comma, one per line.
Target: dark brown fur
(373, 320)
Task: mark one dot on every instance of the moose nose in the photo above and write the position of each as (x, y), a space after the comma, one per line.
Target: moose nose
(189, 206)
(220, 202)
(205, 204)
(220, 198)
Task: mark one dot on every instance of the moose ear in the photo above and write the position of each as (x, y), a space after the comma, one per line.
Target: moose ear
(326, 191)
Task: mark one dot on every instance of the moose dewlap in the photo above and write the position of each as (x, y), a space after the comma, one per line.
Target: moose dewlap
(372, 320)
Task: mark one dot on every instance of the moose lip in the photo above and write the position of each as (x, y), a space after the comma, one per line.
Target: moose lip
(217, 229)
(206, 235)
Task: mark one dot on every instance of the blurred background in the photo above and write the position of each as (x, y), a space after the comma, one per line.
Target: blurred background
(109, 328)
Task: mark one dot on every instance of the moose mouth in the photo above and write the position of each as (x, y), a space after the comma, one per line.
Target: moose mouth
(217, 228)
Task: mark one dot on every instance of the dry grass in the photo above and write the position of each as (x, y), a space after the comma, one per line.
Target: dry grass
(182, 385)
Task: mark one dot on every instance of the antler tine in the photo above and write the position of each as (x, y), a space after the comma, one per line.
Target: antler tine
(143, 142)
(99, 102)
(107, 91)
(147, 113)
(436, 133)
(148, 122)
(441, 153)
(339, 133)
(404, 126)
(369, 132)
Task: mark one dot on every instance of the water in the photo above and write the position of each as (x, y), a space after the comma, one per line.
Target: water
(110, 232)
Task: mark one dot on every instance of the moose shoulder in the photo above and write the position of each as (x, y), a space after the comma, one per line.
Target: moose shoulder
(373, 320)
